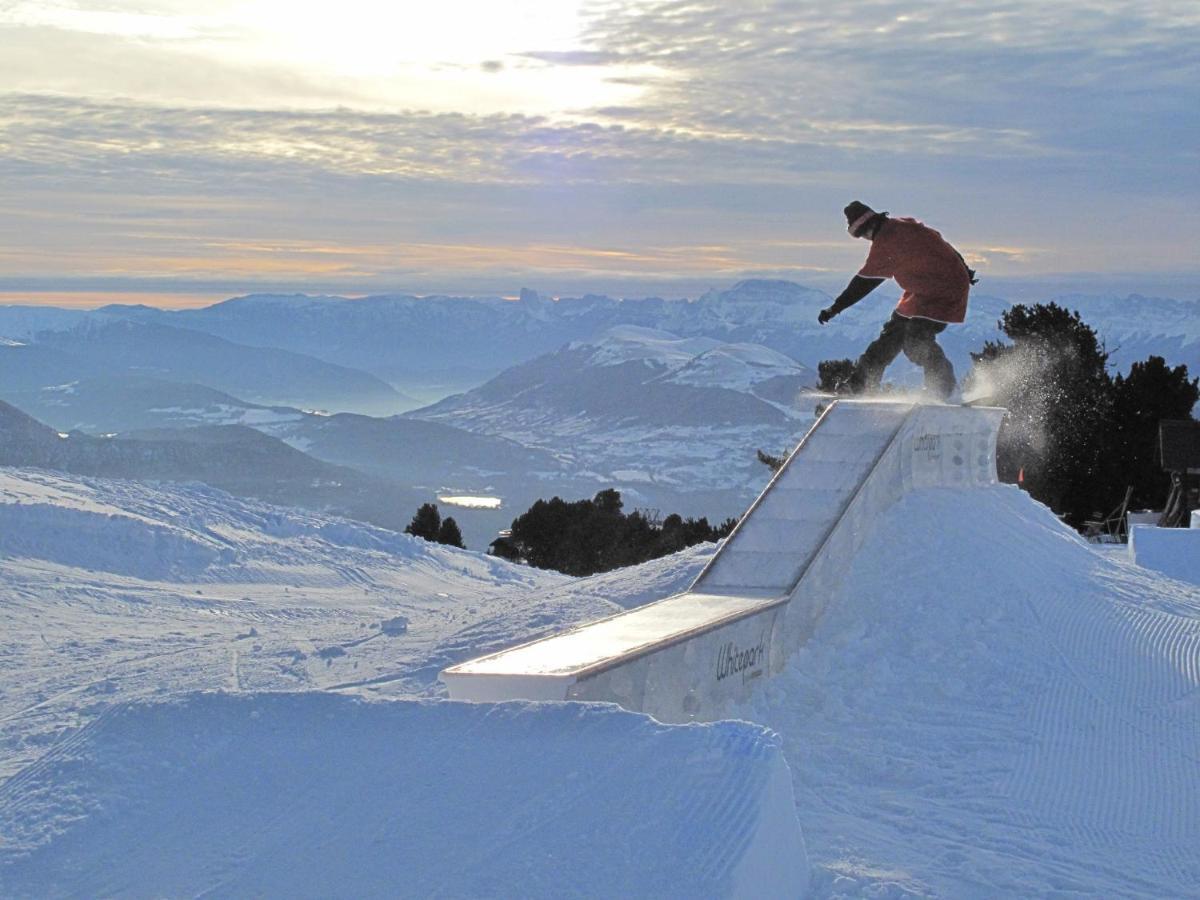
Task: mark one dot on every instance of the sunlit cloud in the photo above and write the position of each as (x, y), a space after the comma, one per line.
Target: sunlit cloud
(984, 256)
(486, 143)
(446, 56)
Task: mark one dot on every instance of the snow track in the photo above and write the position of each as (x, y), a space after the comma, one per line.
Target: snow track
(987, 707)
(991, 708)
(1125, 708)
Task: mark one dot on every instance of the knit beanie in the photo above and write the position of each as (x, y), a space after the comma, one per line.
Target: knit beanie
(858, 216)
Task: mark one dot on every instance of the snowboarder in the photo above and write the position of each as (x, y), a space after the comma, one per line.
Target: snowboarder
(935, 280)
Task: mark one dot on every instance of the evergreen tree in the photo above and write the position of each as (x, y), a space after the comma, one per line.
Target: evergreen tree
(672, 536)
(1152, 391)
(449, 534)
(774, 463)
(426, 523)
(834, 374)
(589, 536)
(725, 528)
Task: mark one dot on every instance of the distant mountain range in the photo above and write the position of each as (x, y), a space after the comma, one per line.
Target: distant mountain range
(632, 376)
(430, 347)
(101, 345)
(234, 458)
(665, 399)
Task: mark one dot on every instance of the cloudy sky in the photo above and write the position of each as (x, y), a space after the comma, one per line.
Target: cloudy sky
(174, 151)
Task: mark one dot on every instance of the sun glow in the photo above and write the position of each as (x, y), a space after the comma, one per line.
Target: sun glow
(468, 56)
(365, 37)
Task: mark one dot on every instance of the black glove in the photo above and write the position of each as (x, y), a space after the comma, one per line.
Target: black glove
(826, 314)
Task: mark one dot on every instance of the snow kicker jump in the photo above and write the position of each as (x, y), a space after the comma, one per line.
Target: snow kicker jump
(693, 655)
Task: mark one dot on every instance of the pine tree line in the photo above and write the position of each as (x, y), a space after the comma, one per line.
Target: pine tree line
(428, 523)
(583, 537)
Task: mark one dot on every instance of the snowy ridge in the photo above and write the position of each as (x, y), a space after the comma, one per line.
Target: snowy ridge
(651, 346)
(739, 367)
(135, 528)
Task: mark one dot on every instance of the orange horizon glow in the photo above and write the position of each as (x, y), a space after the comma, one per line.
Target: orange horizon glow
(83, 299)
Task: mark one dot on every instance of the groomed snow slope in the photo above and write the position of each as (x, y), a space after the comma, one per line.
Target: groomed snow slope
(113, 590)
(990, 708)
(314, 795)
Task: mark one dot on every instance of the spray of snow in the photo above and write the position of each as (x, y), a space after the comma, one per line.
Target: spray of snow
(1019, 372)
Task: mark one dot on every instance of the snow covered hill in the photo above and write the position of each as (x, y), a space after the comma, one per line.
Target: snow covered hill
(118, 590)
(103, 346)
(401, 799)
(671, 422)
(116, 403)
(235, 458)
(989, 707)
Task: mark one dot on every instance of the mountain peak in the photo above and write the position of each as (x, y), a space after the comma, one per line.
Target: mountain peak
(624, 343)
(772, 290)
(538, 306)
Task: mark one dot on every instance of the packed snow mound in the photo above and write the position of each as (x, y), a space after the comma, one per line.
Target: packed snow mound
(989, 707)
(315, 795)
(625, 343)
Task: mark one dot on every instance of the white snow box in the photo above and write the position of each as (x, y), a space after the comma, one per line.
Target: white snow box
(691, 656)
(1172, 551)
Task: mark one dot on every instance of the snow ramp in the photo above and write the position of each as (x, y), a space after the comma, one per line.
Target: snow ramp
(693, 655)
(318, 795)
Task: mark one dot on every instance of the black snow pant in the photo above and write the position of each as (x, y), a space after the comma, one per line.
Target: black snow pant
(917, 338)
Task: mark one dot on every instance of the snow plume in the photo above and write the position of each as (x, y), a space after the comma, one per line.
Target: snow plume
(1053, 381)
(1034, 380)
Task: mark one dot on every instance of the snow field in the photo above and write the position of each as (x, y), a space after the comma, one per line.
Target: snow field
(990, 708)
(316, 795)
(116, 590)
(987, 708)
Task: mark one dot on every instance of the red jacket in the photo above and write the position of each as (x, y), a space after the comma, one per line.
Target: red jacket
(933, 276)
